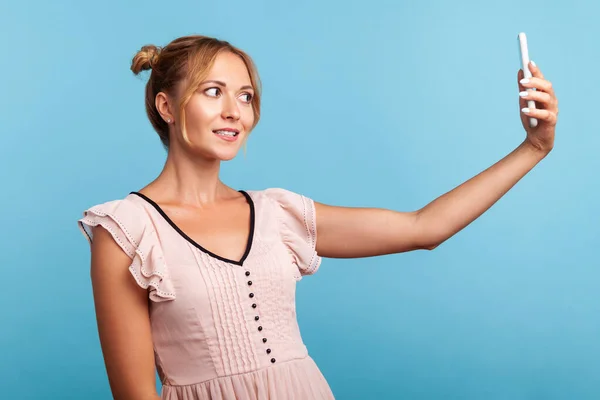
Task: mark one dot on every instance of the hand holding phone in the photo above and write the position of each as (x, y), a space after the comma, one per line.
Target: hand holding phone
(524, 52)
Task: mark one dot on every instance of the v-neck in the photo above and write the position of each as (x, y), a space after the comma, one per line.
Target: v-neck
(193, 242)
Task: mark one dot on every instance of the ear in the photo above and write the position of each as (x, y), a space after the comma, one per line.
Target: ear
(162, 103)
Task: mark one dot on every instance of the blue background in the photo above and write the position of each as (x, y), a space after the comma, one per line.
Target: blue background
(379, 103)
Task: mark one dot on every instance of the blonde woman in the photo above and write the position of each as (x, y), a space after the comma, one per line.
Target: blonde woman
(197, 280)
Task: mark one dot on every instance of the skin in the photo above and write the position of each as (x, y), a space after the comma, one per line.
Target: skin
(190, 192)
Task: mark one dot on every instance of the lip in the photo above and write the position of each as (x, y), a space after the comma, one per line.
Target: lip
(228, 138)
(227, 130)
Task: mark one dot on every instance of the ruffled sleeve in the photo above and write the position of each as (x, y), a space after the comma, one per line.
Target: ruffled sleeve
(298, 226)
(131, 228)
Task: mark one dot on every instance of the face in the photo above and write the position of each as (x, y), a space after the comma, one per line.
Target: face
(219, 115)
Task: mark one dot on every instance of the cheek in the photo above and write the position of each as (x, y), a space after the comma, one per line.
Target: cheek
(199, 112)
(247, 117)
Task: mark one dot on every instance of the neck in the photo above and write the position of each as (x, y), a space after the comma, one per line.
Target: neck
(189, 180)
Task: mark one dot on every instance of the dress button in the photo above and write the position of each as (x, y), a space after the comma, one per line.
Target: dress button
(264, 340)
(251, 295)
(247, 273)
(260, 328)
(256, 318)
(254, 305)
(273, 360)
(249, 283)
(268, 351)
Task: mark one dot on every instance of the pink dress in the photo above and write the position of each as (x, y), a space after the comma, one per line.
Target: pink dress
(223, 329)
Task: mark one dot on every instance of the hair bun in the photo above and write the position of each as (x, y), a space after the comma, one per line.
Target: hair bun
(145, 59)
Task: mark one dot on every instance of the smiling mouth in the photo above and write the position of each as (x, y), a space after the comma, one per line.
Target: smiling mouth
(226, 133)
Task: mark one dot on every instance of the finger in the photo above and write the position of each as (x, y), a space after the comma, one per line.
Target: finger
(520, 76)
(537, 73)
(544, 115)
(538, 96)
(522, 101)
(535, 70)
(537, 83)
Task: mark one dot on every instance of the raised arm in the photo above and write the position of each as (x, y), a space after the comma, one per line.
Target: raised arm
(123, 321)
(362, 232)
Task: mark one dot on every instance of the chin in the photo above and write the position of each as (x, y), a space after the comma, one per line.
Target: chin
(216, 151)
(221, 154)
(227, 156)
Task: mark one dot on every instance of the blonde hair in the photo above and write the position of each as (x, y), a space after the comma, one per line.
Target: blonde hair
(187, 57)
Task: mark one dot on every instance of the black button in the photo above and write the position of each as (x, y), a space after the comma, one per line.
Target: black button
(249, 283)
(247, 273)
(260, 328)
(273, 360)
(254, 305)
(251, 295)
(264, 340)
(268, 351)
(256, 318)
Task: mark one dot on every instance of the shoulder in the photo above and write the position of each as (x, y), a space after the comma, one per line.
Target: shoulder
(132, 203)
(126, 216)
(280, 197)
(128, 222)
(297, 225)
(295, 211)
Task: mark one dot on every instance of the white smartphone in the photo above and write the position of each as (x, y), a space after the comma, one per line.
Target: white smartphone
(524, 52)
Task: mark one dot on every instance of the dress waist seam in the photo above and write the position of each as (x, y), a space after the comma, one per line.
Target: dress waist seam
(238, 374)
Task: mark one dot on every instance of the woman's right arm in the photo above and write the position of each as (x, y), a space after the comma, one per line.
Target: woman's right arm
(123, 321)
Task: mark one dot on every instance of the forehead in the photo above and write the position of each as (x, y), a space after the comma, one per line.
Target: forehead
(229, 67)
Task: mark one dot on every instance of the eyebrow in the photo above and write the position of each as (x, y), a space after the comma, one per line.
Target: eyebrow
(220, 83)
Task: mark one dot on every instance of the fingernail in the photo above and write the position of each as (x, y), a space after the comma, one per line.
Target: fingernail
(532, 63)
(525, 110)
(523, 94)
(524, 81)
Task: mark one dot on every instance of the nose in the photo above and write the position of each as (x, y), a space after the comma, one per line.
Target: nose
(230, 109)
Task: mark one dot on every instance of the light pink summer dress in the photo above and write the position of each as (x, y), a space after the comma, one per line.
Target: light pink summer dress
(223, 329)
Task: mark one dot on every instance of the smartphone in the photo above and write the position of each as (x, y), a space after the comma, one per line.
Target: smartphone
(524, 53)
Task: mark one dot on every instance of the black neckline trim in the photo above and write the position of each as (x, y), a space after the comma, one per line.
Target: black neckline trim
(189, 239)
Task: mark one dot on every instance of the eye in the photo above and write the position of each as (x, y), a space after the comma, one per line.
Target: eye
(247, 97)
(213, 91)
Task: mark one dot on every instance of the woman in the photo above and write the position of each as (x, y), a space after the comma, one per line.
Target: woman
(211, 302)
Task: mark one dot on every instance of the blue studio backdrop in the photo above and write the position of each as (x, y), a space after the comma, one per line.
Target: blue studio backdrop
(379, 104)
